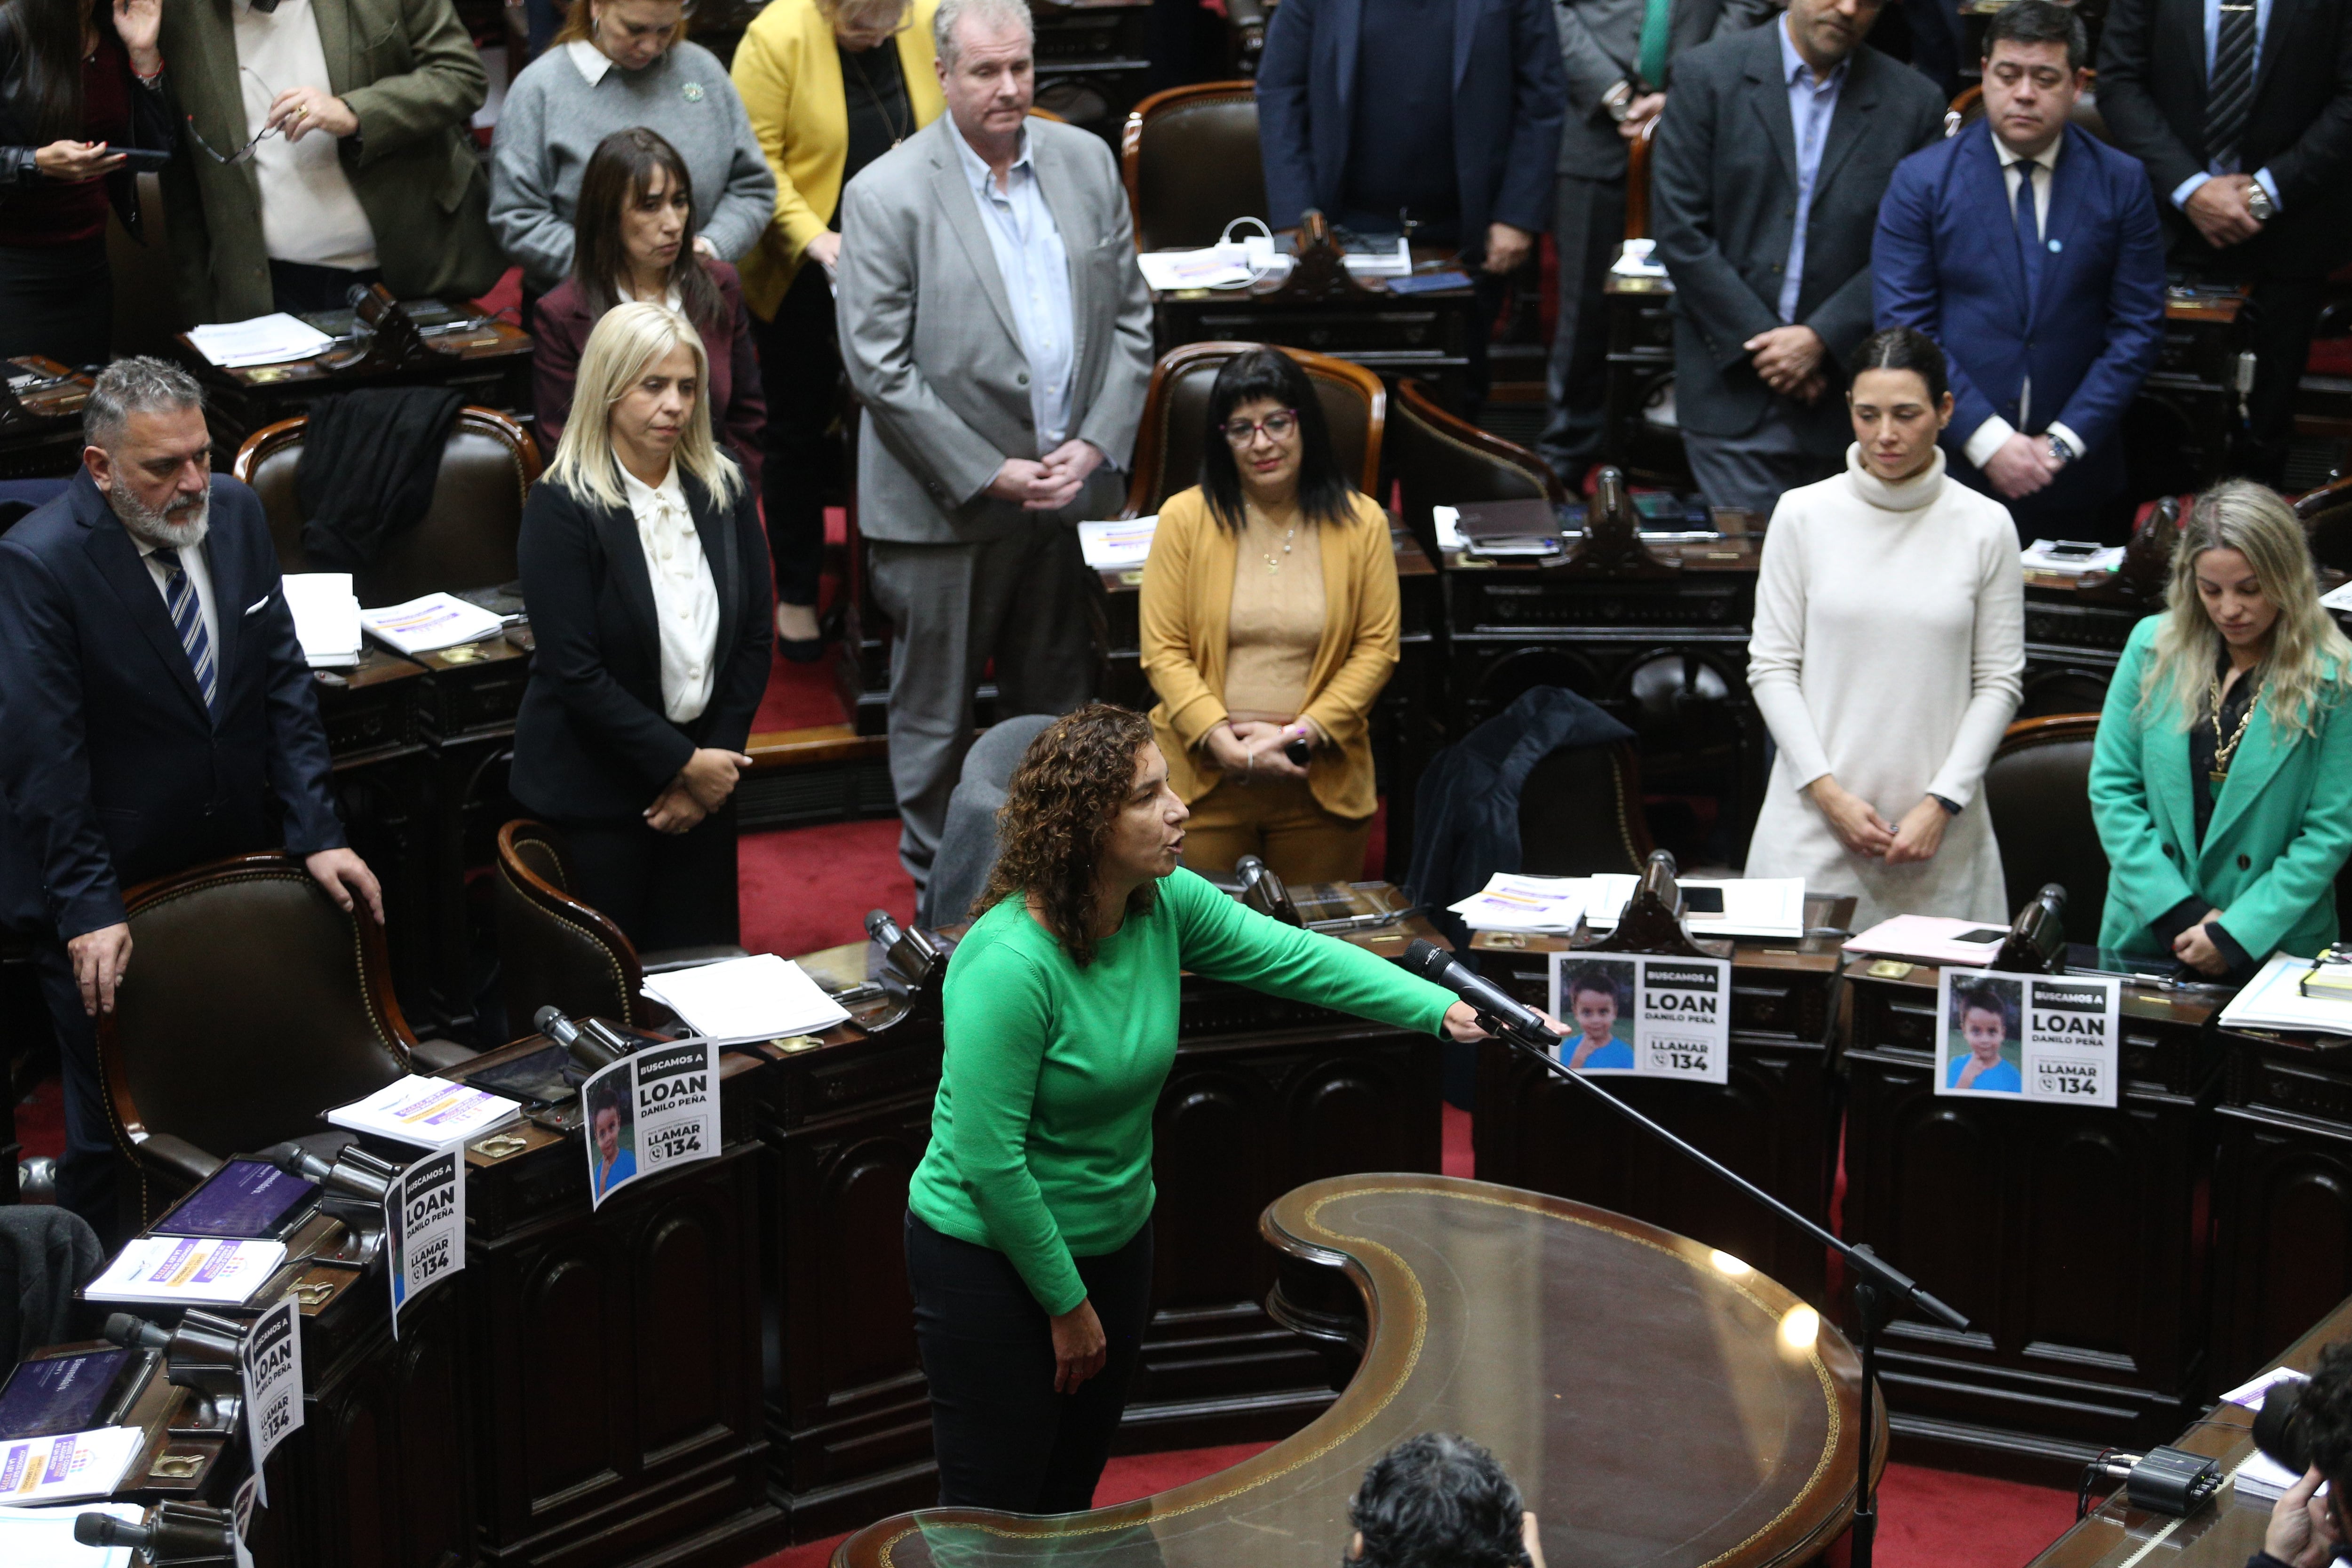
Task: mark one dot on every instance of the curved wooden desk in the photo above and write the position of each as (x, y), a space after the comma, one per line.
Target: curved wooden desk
(1640, 1396)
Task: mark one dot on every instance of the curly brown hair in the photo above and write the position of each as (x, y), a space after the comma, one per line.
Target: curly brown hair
(1058, 812)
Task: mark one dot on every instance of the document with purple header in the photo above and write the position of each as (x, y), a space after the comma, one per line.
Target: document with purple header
(188, 1271)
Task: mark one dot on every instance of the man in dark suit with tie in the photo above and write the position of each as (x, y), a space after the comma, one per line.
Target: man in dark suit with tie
(158, 711)
(2242, 113)
(1440, 114)
(1764, 189)
(1618, 56)
(2050, 335)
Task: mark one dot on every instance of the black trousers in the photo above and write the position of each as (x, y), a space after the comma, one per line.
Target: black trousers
(85, 1176)
(57, 299)
(800, 367)
(663, 890)
(1006, 1440)
(2286, 310)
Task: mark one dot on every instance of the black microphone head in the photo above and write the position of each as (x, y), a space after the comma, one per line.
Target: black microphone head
(2052, 896)
(549, 1019)
(1249, 868)
(289, 1157)
(134, 1334)
(881, 927)
(105, 1529)
(1427, 959)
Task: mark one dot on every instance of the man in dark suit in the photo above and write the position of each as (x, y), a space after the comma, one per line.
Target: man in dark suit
(2242, 113)
(2049, 337)
(1443, 115)
(158, 711)
(1619, 56)
(1764, 191)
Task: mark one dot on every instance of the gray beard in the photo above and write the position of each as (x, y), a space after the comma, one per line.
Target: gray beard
(159, 528)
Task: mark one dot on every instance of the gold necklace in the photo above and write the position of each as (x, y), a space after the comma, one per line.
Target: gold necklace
(1273, 562)
(2223, 750)
(889, 120)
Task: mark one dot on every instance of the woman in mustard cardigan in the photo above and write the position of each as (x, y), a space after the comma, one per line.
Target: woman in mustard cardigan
(1269, 616)
(830, 86)
(2221, 778)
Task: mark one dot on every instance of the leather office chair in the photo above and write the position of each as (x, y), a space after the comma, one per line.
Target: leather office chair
(2038, 789)
(252, 1004)
(1968, 108)
(968, 847)
(1581, 812)
(1441, 459)
(554, 949)
(2326, 517)
(1190, 159)
(467, 537)
(1176, 417)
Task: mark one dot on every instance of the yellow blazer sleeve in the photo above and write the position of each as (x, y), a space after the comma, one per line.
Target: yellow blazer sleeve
(1169, 631)
(764, 76)
(1343, 709)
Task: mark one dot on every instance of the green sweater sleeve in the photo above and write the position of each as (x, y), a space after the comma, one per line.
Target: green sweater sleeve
(1222, 940)
(996, 1038)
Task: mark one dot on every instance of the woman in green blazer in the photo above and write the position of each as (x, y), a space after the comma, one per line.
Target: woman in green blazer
(2221, 780)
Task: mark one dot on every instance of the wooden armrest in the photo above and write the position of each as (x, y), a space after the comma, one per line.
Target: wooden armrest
(440, 1055)
(177, 1158)
(671, 958)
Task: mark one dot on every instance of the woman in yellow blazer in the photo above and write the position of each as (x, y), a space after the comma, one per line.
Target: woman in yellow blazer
(830, 86)
(2222, 779)
(1269, 616)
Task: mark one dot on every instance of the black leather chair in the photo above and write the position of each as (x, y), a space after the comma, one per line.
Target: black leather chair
(467, 537)
(968, 847)
(2326, 517)
(2038, 789)
(1581, 812)
(554, 949)
(1439, 458)
(1176, 415)
(1190, 158)
(252, 1005)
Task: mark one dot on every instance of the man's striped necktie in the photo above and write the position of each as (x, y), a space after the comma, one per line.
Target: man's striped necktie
(188, 618)
(2229, 91)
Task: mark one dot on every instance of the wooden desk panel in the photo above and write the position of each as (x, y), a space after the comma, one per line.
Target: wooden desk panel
(40, 434)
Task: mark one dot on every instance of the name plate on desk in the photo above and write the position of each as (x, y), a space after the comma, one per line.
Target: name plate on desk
(1647, 1017)
(2029, 1036)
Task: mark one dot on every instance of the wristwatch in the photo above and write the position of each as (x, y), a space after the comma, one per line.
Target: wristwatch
(1618, 100)
(2059, 453)
(2259, 203)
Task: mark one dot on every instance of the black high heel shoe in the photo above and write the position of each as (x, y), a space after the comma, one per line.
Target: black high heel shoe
(801, 651)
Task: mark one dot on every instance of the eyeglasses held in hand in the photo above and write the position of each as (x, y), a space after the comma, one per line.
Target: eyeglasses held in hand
(1280, 426)
(242, 153)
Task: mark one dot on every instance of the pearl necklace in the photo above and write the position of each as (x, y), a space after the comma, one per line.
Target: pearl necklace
(1290, 535)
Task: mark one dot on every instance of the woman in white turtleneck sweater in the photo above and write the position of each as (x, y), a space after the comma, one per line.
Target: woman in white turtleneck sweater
(1889, 641)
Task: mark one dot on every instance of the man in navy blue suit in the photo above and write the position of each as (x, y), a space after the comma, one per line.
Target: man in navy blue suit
(158, 714)
(2050, 309)
(1440, 114)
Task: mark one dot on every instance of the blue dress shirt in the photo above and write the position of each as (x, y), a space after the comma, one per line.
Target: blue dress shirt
(2188, 187)
(1031, 258)
(1811, 106)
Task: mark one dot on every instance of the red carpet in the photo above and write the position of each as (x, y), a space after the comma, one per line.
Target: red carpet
(802, 888)
(803, 696)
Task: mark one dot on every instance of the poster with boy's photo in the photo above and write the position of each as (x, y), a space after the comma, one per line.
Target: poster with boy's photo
(1596, 994)
(611, 1130)
(1981, 1050)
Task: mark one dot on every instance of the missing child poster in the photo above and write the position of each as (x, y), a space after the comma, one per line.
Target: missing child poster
(1652, 1017)
(425, 1226)
(648, 1111)
(270, 1361)
(2028, 1037)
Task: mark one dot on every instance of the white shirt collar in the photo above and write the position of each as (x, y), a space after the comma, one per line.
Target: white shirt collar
(2047, 158)
(644, 497)
(975, 167)
(590, 61)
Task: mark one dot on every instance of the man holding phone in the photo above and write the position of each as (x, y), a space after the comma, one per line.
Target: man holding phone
(65, 156)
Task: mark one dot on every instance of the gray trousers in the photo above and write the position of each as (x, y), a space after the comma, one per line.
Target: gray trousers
(1588, 227)
(1751, 470)
(1021, 601)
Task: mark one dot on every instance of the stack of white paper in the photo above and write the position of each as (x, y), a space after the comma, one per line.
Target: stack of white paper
(1216, 267)
(2273, 999)
(2338, 597)
(1117, 546)
(1509, 902)
(1752, 906)
(1639, 258)
(436, 621)
(188, 1271)
(44, 1537)
(2052, 555)
(1397, 263)
(2260, 1476)
(326, 617)
(431, 1111)
(69, 1465)
(1447, 522)
(741, 1000)
(264, 340)
(1931, 939)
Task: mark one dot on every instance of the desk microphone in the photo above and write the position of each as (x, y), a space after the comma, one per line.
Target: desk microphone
(589, 1044)
(177, 1534)
(1441, 968)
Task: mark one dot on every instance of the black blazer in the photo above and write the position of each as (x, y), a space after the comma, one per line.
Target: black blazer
(1723, 181)
(115, 770)
(2152, 96)
(592, 743)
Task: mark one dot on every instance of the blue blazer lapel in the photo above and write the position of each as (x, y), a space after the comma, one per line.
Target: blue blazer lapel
(224, 558)
(1988, 194)
(1347, 19)
(2070, 193)
(118, 561)
(1466, 33)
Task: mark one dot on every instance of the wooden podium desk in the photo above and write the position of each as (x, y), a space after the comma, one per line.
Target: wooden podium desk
(1775, 1121)
(2074, 1238)
(40, 420)
(1265, 1094)
(2226, 1531)
(488, 362)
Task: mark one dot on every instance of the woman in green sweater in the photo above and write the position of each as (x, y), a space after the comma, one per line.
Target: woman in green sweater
(1029, 1220)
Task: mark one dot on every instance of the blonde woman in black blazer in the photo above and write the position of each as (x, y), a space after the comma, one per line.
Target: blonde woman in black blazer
(647, 573)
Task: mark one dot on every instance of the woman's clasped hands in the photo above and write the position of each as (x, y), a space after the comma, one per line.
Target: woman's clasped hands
(700, 788)
(1864, 832)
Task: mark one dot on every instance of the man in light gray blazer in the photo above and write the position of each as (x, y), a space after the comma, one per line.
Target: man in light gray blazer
(998, 331)
(1619, 54)
(1764, 190)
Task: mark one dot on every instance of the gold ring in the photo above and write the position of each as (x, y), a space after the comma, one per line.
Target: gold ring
(301, 111)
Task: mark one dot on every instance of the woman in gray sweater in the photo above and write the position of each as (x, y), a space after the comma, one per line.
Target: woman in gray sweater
(617, 64)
